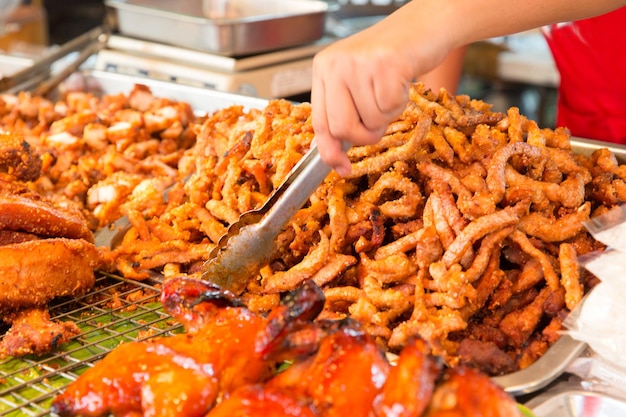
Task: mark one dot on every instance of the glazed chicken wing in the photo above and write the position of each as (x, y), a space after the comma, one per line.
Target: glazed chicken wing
(343, 378)
(263, 401)
(466, 392)
(226, 365)
(225, 347)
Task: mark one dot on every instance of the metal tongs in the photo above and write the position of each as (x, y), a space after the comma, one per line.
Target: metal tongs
(251, 241)
(84, 46)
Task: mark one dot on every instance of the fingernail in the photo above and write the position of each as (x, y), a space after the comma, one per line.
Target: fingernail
(342, 170)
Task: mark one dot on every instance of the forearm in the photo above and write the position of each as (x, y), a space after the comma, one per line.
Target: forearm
(467, 21)
(360, 83)
(448, 73)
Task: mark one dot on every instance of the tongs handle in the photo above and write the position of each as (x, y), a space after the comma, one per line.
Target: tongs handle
(249, 244)
(81, 43)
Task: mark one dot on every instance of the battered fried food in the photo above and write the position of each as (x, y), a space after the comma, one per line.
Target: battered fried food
(18, 158)
(33, 332)
(32, 214)
(35, 272)
(66, 169)
(433, 234)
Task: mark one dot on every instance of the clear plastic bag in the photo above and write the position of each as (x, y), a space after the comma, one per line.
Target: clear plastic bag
(600, 320)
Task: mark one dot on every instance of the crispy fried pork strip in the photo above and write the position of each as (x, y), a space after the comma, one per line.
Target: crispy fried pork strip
(33, 273)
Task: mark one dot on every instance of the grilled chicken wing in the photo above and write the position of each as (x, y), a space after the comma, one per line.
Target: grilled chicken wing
(226, 347)
(226, 366)
(466, 392)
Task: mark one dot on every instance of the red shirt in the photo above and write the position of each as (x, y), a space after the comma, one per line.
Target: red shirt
(591, 61)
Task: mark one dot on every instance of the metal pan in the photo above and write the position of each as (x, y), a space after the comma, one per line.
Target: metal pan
(346, 18)
(586, 147)
(544, 370)
(576, 402)
(202, 100)
(232, 28)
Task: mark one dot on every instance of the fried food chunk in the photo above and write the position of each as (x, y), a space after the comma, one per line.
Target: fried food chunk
(32, 332)
(34, 272)
(37, 216)
(18, 158)
(451, 223)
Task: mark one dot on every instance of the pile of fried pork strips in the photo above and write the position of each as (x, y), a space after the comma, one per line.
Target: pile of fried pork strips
(457, 235)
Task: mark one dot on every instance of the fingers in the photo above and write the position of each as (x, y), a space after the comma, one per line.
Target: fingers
(378, 93)
(328, 144)
(345, 108)
(333, 155)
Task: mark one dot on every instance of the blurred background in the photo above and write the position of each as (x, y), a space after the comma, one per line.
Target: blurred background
(512, 71)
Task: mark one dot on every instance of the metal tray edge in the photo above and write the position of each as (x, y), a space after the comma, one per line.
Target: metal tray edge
(316, 7)
(562, 401)
(543, 371)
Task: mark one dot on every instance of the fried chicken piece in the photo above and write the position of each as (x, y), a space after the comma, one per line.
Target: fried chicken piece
(32, 332)
(8, 237)
(32, 273)
(225, 365)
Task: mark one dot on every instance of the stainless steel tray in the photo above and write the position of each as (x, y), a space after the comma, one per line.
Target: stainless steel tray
(544, 370)
(576, 402)
(583, 146)
(345, 18)
(240, 27)
(201, 100)
(9, 64)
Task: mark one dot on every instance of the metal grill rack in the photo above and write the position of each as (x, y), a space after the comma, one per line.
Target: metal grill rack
(115, 311)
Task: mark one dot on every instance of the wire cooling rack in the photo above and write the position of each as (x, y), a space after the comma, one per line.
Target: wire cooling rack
(115, 311)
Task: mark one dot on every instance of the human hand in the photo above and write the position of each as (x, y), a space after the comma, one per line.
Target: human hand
(361, 83)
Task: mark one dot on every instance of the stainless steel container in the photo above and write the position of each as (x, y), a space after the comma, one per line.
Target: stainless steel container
(571, 400)
(232, 28)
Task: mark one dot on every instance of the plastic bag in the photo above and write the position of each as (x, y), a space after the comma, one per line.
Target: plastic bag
(600, 320)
